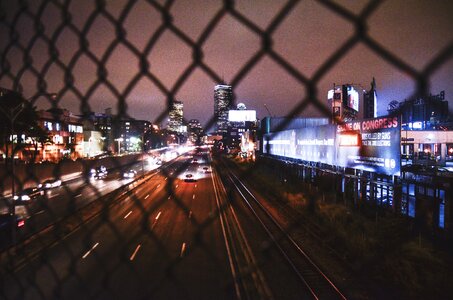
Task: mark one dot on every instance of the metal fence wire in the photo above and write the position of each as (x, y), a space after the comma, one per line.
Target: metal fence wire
(15, 75)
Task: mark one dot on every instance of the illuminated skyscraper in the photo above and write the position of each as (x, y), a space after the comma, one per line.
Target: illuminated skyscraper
(223, 99)
(195, 130)
(175, 116)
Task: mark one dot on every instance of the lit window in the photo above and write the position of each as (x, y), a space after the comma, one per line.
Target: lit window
(48, 125)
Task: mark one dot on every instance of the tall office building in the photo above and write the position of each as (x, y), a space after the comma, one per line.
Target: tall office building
(223, 99)
(195, 130)
(175, 117)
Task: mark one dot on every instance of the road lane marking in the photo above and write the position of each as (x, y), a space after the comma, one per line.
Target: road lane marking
(190, 214)
(183, 249)
(169, 197)
(135, 252)
(89, 251)
(78, 195)
(146, 196)
(158, 215)
(127, 214)
(40, 212)
(158, 185)
(166, 178)
(176, 186)
(193, 196)
(54, 195)
(195, 185)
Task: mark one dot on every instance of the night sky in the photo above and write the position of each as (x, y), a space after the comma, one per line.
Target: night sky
(414, 31)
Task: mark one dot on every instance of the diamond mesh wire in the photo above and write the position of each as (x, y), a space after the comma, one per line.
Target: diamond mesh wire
(18, 73)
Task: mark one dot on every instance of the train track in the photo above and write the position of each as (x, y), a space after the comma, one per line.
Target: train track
(315, 281)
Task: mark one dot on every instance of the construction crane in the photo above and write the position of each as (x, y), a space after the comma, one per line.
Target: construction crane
(268, 111)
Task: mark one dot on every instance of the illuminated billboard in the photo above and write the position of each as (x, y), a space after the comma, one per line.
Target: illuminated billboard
(379, 145)
(352, 98)
(372, 145)
(309, 144)
(242, 115)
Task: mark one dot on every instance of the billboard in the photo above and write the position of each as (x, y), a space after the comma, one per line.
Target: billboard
(378, 145)
(242, 115)
(309, 144)
(352, 98)
(372, 145)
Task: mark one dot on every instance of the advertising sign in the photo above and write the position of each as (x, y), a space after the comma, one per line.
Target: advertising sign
(378, 148)
(372, 145)
(242, 115)
(309, 144)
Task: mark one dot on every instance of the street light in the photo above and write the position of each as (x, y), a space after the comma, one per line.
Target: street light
(119, 140)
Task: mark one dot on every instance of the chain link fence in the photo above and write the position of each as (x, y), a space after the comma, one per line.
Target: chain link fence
(19, 67)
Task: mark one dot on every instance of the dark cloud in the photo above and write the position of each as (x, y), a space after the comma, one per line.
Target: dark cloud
(414, 31)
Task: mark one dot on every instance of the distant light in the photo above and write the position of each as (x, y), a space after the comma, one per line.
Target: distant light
(330, 94)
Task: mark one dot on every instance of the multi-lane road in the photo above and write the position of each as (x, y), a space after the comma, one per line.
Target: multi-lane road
(168, 235)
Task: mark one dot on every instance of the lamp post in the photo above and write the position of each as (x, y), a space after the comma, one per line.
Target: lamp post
(119, 140)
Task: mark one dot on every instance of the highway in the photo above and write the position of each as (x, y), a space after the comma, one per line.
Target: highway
(162, 242)
(186, 230)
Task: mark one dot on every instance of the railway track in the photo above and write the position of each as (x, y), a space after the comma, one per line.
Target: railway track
(315, 282)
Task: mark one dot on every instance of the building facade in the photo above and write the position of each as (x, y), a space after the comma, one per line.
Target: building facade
(65, 132)
(423, 113)
(223, 99)
(240, 120)
(195, 130)
(176, 117)
(131, 135)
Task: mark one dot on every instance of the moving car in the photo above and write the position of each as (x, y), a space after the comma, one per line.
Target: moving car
(7, 221)
(129, 174)
(29, 194)
(189, 178)
(51, 183)
(99, 172)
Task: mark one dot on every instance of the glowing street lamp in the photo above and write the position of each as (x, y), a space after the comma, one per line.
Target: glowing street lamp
(119, 140)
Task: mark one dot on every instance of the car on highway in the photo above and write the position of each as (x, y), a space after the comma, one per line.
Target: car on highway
(99, 172)
(29, 194)
(206, 170)
(50, 184)
(189, 177)
(129, 174)
(7, 221)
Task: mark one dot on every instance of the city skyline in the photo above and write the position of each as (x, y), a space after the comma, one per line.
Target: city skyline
(309, 36)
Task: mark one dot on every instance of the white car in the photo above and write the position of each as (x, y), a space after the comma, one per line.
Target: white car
(51, 183)
(129, 174)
